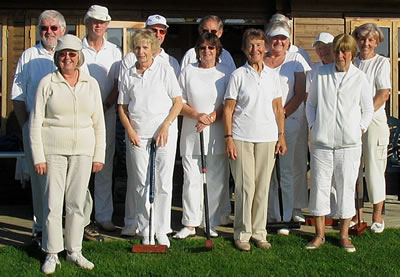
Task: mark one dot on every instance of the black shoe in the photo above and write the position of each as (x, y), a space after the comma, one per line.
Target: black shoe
(37, 239)
(90, 233)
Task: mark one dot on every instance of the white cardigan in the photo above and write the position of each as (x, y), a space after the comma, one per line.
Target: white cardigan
(338, 110)
(66, 120)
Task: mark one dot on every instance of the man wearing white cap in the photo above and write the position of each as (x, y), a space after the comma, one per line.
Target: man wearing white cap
(157, 24)
(35, 63)
(322, 46)
(212, 24)
(103, 60)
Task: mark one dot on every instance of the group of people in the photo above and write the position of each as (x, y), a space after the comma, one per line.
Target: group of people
(67, 92)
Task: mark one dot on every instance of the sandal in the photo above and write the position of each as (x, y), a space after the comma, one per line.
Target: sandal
(311, 246)
(347, 248)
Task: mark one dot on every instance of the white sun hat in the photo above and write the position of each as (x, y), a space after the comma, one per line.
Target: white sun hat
(98, 12)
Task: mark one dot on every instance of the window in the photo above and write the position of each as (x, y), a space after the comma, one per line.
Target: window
(120, 33)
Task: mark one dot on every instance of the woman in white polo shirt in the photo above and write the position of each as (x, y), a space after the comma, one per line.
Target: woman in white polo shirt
(292, 68)
(254, 132)
(149, 102)
(376, 139)
(339, 109)
(203, 87)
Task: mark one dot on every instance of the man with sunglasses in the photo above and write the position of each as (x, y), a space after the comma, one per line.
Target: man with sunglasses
(157, 24)
(35, 63)
(103, 60)
(211, 24)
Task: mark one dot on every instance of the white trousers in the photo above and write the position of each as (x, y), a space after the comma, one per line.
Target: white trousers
(217, 177)
(374, 158)
(293, 171)
(138, 186)
(38, 183)
(342, 166)
(103, 180)
(67, 179)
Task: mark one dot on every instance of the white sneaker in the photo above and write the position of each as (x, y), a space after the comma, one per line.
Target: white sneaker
(163, 240)
(283, 231)
(50, 263)
(78, 259)
(107, 226)
(129, 230)
(213, 232)
(377, 227)
(298, 216)
(184, 233)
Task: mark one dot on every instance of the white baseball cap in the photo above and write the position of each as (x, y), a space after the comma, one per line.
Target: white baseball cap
(278, 31)
(98, 12)
(324, 38)
(156, 19)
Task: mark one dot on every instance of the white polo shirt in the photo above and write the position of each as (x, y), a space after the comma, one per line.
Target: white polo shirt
(225, 58)
(34, 63)
(203, 89)
(293, 62)
(302, 52)
(377, 70)
(103, 65)
(130, 59)
(254, 119)
(149, 97)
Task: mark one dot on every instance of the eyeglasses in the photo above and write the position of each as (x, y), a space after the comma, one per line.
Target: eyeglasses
(161, 31)
(210, 31)
(202, 48)
(70, 54)
(52, 27)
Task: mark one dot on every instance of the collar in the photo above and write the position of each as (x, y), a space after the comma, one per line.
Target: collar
(162, 53)
(42, 50)
(85, 44)
(250, 69)
(57, 77)
(151, 68)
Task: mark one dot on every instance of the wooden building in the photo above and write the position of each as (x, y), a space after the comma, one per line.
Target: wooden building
(18, 20)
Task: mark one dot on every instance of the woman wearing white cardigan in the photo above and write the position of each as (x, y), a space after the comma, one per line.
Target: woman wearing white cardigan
(339, 109)
(68, 143)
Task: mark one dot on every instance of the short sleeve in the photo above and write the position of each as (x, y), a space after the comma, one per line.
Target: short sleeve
(232, 90)
(382, 80)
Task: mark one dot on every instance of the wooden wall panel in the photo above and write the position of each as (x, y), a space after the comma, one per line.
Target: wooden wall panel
(306, 29)
(16, 44)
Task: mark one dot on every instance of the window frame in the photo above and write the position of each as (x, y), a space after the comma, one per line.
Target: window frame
(4, 74)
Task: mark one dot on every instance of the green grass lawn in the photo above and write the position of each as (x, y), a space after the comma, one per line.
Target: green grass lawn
(377, 255)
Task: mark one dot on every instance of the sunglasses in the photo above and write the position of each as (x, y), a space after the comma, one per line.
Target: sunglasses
(161, 31)
(202, 48)
(210, 31)
(70, 54)
(52, 27)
